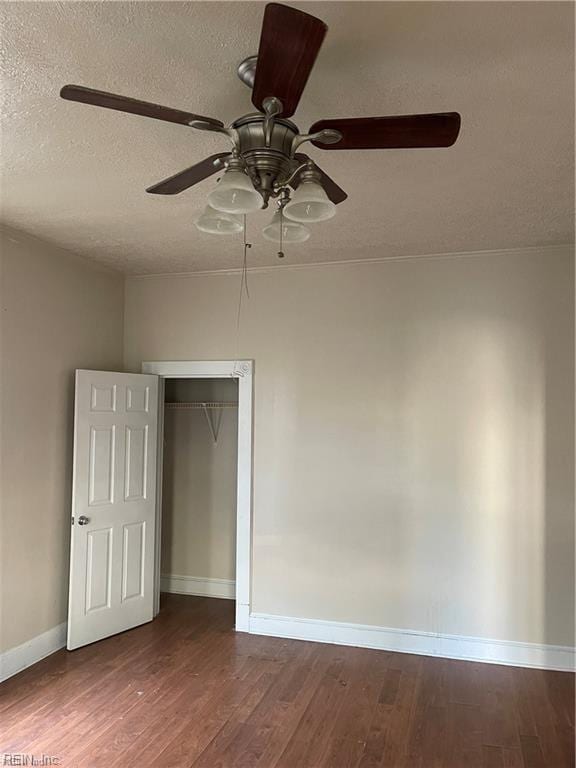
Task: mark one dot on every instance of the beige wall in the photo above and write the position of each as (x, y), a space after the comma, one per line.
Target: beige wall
(199, 483)
(58, 314)
(414, 420)
(414, 457)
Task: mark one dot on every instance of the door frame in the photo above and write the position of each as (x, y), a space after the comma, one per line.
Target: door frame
(242, 370)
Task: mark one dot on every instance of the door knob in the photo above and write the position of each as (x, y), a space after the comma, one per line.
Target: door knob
(83, 520)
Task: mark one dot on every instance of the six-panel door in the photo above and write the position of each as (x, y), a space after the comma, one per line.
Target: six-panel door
(113, 504)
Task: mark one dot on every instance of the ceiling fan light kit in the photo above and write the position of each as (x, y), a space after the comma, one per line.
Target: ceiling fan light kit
(310, 204)
(215, 222)
(283, 230)
(264, 163)
(235, 192)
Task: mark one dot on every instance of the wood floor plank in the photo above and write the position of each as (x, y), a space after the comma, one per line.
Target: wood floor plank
(546, 722)
(532, 752)
(498, 718)
(430, 716)
(363, 694)
(464, 745)
(388, 736)
(186, 691)
(512, 758)
(311, 739)
(281, 712)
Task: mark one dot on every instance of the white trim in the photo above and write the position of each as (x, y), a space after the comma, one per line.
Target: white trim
(505, 652)
(549, 250)
(423, 643)
(241, 370)
(158, 520)
(17, 659)
(193, 585)
(199, 369)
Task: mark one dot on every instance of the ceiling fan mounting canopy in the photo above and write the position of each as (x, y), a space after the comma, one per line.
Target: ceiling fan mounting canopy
(265, 143)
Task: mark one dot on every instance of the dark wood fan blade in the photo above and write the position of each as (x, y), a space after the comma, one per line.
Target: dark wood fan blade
(134, 106)
(185, 179)
(289, 44)
(334, 192)
(401, 132)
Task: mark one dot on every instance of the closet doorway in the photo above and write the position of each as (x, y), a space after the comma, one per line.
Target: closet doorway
(204, 480)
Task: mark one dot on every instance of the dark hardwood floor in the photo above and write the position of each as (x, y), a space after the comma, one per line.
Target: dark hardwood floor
(186, 690)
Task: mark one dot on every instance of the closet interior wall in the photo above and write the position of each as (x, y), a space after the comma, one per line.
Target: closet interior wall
(199, 482)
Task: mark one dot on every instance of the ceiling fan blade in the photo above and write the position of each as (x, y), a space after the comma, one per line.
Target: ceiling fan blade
(134, 106)
(185, 179)
(334, 192)
(398, 132)
(289, 44)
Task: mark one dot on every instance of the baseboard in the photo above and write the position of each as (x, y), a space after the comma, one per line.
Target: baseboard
(554, 657)
(424, 643)
(17, 659)
(193, 585)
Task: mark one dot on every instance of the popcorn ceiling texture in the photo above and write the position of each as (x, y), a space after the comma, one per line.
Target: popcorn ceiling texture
(75, 175)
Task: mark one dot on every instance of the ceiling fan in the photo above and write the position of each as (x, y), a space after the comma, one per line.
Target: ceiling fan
(263, 161)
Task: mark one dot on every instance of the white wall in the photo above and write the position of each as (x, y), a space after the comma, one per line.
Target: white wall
(58, 313)
(414, 456)
(199, 483)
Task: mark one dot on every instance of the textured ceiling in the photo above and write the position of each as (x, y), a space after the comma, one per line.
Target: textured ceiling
(75, 175)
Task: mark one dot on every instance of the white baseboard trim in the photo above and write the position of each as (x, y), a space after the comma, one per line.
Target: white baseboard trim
(22, 656)
(423, 643)
(242, 617)
(193, 585)
(554, 657)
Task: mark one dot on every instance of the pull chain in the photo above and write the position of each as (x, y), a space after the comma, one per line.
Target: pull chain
(281, 252)
(245, 264)
(243, 287)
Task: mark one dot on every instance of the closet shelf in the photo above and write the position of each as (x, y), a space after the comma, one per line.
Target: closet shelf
(201, 405)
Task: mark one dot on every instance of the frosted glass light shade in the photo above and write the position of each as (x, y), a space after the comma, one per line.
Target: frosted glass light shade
(310, 204)
(292, 231)
(235, 194)
(217, 223)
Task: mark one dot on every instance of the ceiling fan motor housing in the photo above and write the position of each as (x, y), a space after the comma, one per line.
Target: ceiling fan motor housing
(266, 162)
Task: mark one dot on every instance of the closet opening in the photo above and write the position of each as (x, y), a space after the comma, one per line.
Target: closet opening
(200, 459)
(204, 481)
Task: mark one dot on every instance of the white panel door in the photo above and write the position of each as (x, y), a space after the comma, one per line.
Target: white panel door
(113, 504)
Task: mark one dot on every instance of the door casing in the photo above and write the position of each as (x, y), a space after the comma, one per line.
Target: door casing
(242, 370)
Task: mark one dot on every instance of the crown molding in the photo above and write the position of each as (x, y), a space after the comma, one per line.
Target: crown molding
(550, 250)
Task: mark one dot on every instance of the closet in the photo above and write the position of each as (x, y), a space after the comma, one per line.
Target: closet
(199, 487)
